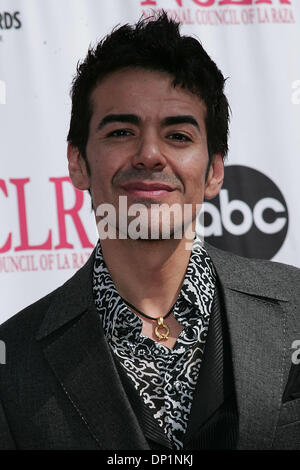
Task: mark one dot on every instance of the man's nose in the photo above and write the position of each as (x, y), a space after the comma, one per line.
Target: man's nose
(149, 153)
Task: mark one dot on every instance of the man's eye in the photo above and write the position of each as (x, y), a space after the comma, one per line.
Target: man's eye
(119, 133)
(179, 137)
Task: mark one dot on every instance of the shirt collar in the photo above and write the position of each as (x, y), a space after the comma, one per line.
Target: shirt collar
(197, 289)
(200, 278)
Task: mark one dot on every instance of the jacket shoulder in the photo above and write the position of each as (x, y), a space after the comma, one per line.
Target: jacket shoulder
(26, 320)
(274, 279)
(29, 318)
(252, 261)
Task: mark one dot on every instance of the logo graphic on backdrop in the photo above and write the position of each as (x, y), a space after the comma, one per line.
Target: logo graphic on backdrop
(223, 12)
(249, 217)
(56, 249)
(9, 20)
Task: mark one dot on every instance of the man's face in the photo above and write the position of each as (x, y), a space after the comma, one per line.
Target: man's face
(147, 141)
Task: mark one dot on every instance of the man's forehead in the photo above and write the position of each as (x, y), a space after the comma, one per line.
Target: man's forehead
(131, 77)
(138, 91)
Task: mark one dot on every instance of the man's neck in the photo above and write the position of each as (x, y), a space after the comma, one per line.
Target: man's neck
(147, 273)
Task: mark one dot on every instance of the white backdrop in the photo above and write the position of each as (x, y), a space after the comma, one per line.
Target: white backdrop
(255, 43)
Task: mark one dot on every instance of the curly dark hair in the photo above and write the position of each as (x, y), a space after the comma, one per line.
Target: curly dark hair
(154, 44)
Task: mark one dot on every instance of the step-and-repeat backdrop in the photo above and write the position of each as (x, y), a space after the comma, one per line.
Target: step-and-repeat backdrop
(47, 228)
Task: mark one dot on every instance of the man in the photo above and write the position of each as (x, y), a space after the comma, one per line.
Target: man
(155, 343)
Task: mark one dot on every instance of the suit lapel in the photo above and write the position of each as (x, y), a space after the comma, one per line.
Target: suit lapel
(78, 353)
(256, 322)
(209, 391)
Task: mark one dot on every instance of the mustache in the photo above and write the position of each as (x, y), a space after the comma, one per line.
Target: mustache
(144, 175)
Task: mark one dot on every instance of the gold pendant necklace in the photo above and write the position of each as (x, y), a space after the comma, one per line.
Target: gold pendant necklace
(161, 325)
(161, 330)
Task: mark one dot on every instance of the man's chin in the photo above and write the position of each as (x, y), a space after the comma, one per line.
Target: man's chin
(152, 234)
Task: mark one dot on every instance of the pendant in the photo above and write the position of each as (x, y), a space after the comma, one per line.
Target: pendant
(160, 326)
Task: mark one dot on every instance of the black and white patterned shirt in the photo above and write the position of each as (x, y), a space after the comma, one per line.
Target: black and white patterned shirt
(165, 378)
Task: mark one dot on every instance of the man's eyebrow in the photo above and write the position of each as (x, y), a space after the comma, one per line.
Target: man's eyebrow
(134, 119)
(131, 118)
(180, 119)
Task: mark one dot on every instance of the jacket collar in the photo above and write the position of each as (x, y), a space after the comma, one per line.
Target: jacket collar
(70, 300)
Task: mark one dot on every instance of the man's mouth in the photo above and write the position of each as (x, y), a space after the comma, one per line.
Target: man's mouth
(147, 189)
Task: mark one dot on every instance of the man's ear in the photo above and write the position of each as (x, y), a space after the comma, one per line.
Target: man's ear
(77, 168)
(215, 176)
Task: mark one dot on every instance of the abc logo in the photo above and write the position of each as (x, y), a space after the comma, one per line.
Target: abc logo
(249, 217)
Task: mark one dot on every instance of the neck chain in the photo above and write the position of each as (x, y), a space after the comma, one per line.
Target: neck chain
(160, 321)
